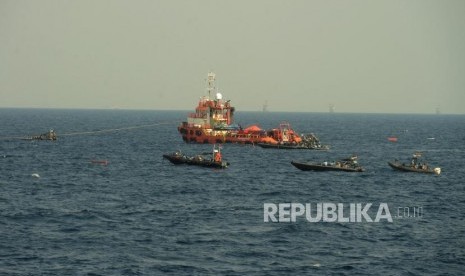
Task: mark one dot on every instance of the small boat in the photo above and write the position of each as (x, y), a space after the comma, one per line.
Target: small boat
(347, 165)
(51, 135)
(392, 139)
(308, 141)
(214, 160)
(415, 165)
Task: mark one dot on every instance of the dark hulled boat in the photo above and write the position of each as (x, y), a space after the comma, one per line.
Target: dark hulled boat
(408, 168)
(203, 160)
(347, 165)
(51, 135)
(415, 165)
(196, 160)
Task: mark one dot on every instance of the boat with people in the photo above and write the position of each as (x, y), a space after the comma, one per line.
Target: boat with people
(416, 164)
(307, 141)
(347, 165)
(212, 160)
(50, 135)
(213, 123)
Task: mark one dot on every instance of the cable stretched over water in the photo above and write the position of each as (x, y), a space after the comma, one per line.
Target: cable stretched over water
(113, 129)
(90, 132)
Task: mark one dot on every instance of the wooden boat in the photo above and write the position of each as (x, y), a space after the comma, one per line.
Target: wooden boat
(346, 165)
(203, 160)
(415, 165)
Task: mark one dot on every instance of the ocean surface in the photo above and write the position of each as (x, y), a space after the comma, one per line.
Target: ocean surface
(141, 215)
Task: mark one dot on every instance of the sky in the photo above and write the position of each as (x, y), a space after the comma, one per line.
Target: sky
(296, 55)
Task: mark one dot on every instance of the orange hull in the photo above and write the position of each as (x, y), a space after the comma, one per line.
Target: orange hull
(207, 136)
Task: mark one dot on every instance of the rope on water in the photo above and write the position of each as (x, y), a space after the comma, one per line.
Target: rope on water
(89, 132)
(13, 137)
(112, 129)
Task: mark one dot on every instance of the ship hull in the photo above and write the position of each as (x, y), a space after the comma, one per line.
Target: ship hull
(319, 167)
(208, 136)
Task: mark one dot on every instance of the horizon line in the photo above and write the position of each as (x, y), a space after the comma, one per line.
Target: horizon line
(255, 111)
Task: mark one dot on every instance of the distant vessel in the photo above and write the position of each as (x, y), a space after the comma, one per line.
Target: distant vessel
(213, 122)
(265, 107)
(50, 135)
(331, 108)
(415, 165)
(347, 165)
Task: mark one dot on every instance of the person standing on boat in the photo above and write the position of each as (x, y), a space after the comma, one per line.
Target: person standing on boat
(217, 156)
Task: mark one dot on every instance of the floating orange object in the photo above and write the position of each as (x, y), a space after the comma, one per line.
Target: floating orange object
(392, 139)
(102, 162)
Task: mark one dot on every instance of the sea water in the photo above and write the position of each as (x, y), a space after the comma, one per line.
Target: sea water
(141, 215)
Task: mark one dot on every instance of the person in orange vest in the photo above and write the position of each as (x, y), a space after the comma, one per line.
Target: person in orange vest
(217, 156)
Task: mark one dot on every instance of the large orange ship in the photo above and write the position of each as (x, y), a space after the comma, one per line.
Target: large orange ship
(213, 122)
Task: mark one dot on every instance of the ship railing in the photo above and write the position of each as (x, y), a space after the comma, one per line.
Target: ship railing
(195, 115)
(193, 125)
(246, 135)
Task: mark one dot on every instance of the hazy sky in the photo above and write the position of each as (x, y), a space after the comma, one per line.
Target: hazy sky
(362, 56)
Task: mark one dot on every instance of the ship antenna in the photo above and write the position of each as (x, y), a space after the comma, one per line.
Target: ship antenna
(210, 83)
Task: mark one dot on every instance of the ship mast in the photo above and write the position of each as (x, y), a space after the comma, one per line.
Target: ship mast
(331, 108)
(265, 106)
(210, 83)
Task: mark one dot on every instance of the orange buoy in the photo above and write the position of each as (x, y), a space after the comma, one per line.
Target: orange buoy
(102, 162)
